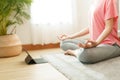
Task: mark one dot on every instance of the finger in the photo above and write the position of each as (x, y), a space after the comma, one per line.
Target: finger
(64, 35)
(91, 41)
(89, 44)
(59, 37)
(82, 45)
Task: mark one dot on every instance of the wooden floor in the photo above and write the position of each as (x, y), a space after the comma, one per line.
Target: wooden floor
(15, 68)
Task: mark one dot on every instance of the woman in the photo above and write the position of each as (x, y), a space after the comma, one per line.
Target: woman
(104, 42)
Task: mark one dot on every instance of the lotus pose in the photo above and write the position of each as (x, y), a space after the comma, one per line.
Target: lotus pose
(104, 42)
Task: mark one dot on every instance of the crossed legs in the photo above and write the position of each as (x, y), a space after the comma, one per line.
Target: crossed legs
(91, 55)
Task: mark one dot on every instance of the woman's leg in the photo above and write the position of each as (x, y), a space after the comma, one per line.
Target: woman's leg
(91, 55)
(99, 53)
(70, 44)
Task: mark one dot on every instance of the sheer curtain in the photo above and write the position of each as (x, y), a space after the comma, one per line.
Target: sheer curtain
(51, 18)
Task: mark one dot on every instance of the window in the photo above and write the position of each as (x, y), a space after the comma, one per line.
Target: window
(51, 11)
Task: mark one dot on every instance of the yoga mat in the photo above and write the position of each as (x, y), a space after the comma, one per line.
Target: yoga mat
(70, 67)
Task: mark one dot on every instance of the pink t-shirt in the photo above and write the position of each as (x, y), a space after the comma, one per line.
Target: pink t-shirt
(99, 13)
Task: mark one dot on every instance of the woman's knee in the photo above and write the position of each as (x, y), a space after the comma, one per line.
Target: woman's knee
(64, 46)
(98, 54)
(87, 57)
(67, 46)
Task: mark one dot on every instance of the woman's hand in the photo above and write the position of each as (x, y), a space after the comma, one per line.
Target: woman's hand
(89, 44)
(63, 37)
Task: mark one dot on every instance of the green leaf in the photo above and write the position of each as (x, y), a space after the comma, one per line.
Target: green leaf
(13, 12)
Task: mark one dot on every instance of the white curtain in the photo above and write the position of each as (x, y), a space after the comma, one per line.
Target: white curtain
(51, 18)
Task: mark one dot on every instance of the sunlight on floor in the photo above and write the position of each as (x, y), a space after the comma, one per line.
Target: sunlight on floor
(38, 53)
(19, 70)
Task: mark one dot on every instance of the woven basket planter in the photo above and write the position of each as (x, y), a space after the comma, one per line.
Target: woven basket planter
(10, 45)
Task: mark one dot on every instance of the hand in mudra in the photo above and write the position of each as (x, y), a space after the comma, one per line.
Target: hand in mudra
(88, 44)
(63, 37)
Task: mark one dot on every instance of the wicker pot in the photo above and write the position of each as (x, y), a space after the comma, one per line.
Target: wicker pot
(10, 45)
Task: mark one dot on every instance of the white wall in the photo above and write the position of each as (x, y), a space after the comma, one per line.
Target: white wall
(83, 7)
(24, 31)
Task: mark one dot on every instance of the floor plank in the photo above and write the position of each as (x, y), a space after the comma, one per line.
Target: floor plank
(14, 68)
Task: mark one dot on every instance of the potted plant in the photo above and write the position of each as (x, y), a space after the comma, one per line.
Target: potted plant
(12, 14)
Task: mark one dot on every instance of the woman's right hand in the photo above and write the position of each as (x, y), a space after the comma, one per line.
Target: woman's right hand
(63, 37)
(88, 44)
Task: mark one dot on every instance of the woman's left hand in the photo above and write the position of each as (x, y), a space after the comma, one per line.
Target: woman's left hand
(89, 44)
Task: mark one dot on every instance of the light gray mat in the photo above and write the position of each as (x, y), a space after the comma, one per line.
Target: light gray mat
(75, 70)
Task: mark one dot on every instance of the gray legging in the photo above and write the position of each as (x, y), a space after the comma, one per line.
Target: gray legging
(91, 55)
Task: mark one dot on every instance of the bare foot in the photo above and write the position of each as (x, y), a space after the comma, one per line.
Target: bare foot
(70, 52)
